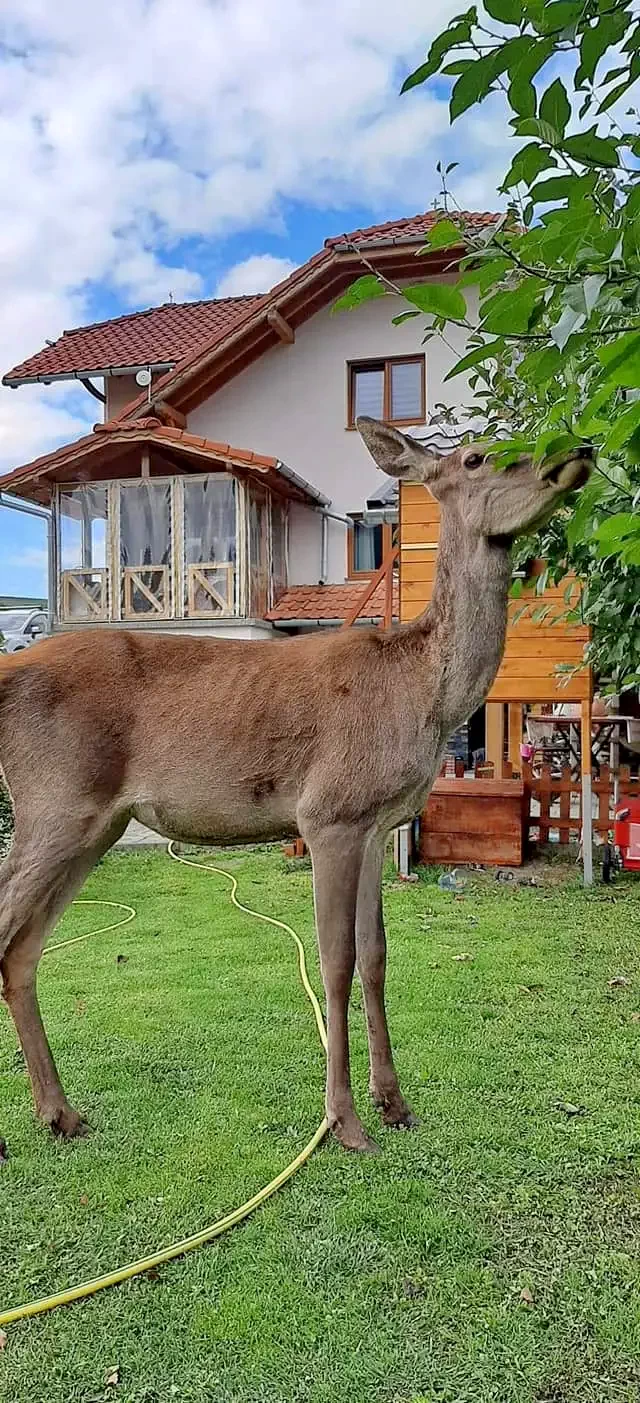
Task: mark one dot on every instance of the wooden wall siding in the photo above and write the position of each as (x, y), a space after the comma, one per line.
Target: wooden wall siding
(474, 821)
(534, 650)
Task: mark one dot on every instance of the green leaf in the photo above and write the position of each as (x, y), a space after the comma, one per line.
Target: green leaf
(613, 533)
(489, 351)
(613, 96)
(438, 299)
(486, 273)
(555, 108)
(458, 66)
(558, 16)
(624, 428)
(621, 360)
(444, 234)
(570, 320)
(527, 164)
(595, 42)
(362, 290)
(511, 311)
(506, 11)
(591, 289)
(592, 408)
(522, 94)
(592, 150)
(558, 187)
(532, 126)
(632, 207)
(472, 85)
(613, 73)
(541, 365)
(459, 32)
(516, 589)
(403, 317)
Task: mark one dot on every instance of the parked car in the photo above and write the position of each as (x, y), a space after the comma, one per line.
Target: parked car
(19, 628)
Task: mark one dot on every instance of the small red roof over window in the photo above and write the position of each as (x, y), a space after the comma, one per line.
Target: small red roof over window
(309, 602)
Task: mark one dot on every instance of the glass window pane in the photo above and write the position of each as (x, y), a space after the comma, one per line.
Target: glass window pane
(210, 545)
(83, 551)
(145, 548)
(258, 503)
(83, 526)
(368, 391)
(367, 546)
(406, 390)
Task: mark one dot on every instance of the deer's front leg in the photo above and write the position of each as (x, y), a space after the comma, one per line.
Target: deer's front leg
(337, 856)
(371, 955)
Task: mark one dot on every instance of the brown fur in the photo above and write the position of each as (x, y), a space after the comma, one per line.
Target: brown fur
(338, 736)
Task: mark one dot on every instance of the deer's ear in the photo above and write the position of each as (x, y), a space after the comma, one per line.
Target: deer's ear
(396, 453)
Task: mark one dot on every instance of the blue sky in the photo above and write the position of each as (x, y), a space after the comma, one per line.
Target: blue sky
(195, 147)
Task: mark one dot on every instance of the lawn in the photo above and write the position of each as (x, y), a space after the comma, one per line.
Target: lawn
(491, 1255)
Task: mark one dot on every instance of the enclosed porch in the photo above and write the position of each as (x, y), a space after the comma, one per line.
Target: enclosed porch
(155, 527)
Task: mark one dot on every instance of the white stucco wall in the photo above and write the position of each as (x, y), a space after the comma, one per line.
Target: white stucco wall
(292, 403)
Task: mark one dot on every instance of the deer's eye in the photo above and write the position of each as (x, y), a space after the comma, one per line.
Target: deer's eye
(475, 460)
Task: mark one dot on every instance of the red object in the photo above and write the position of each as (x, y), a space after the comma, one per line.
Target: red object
(626, 834)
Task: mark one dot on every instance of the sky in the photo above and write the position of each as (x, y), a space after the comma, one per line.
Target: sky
(196, 148)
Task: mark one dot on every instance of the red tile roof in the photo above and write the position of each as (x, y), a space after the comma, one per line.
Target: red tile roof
(308, 602)
(28, 480)
(177, 333)
(184, 384)
(158, 336)
(417, 224)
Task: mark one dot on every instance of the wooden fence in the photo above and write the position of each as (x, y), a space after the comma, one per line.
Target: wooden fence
(555, 801)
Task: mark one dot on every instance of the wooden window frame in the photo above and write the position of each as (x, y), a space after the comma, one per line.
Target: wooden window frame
(385, 363)
(387, 542)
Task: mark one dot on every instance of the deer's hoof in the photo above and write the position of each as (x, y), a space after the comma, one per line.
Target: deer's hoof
(395, 1112)
(399, 1119)
(351, 1134)
(66, 1123)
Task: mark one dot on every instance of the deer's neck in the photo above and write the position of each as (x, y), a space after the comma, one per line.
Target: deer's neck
(464, 626)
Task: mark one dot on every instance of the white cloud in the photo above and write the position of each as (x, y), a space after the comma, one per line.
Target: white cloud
(128, 127)
(31, 558)
(257, 274)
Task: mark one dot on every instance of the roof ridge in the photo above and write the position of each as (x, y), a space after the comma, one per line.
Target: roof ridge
(161, 306)
(399, 221)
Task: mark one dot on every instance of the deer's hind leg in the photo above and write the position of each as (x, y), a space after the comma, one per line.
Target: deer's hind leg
(371, 957)
(36, 886)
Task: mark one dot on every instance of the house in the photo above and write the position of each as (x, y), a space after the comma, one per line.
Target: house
(225, 490)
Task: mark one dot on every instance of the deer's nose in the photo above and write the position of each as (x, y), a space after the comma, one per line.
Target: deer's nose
(587, 450)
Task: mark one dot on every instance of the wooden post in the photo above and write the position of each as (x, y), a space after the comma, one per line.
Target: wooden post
(387, 619)
(494, 736)
(587, 820)
(515, 736)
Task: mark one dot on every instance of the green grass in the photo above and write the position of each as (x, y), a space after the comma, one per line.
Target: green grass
(391, 1278)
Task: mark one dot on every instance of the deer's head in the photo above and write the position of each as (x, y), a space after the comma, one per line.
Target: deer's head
(498, 505)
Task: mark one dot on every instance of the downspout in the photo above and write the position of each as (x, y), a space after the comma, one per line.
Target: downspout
(324, 553)
(328, 516)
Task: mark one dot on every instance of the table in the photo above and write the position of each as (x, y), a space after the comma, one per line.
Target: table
(605, 738)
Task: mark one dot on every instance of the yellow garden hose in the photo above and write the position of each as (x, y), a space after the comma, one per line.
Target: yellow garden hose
(198, 1239)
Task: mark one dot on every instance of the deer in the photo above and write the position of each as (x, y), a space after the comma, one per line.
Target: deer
(338, 736)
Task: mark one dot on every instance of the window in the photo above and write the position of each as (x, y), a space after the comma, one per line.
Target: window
(367, 547)
(393, 390)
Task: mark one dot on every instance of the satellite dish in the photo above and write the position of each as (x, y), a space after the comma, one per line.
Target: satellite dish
(143, 378)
